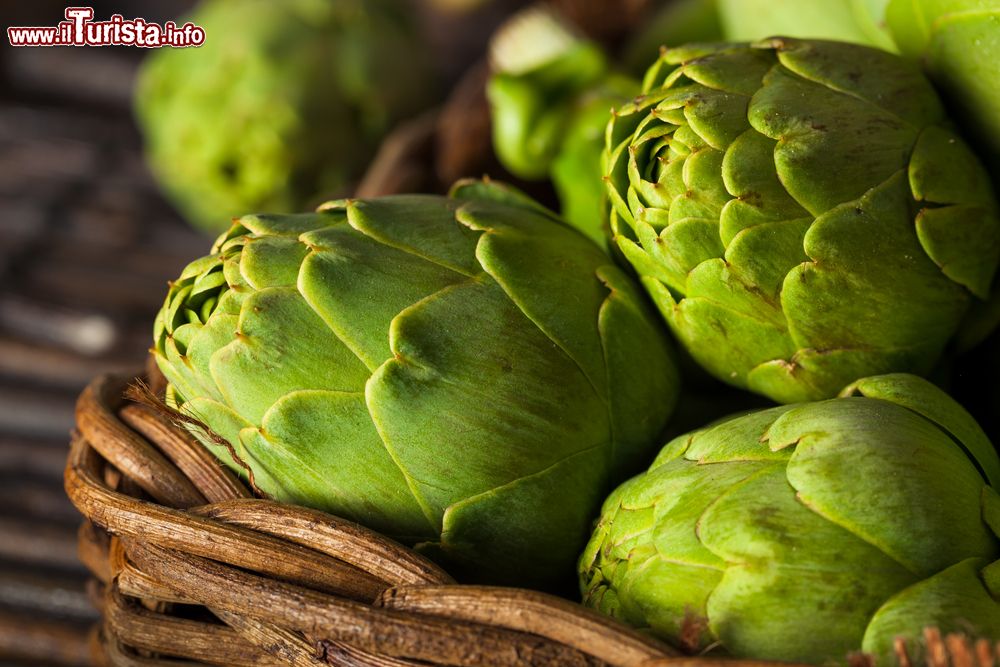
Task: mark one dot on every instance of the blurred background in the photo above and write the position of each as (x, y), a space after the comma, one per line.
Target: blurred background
(86, 243)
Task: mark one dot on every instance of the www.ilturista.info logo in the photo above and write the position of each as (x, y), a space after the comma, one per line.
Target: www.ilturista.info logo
(79, 29)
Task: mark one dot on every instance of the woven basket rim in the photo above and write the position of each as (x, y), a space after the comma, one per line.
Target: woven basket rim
(200, 526)
(168, 527)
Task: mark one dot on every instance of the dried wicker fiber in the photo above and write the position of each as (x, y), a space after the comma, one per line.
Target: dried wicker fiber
(190, 569)
(190, 547)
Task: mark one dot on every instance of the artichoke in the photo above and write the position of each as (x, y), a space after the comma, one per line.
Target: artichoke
(466, 374)
(281, 107)
(801, 212)
(804, 532)
(550, 95)
(957, 42)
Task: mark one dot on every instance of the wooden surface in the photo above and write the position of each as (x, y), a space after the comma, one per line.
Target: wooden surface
(86, 245)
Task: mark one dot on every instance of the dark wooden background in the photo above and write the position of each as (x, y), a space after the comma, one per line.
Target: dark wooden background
(86, 243)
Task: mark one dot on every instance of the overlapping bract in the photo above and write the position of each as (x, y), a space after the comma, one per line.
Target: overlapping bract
(956, 42)
(467, 374)
(281, 107)
(805, 532)
(801, 212)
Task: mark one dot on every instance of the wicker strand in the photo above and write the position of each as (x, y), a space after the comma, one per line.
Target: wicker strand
(132, 454)
(211, 643)
(114, 652)
(287, 648)
(345, 655)
(244, 581)
(397, 634)
(127, 517)
(92, 549)
(381, 557)
(530, 611)
(206, 472)
(141, 393)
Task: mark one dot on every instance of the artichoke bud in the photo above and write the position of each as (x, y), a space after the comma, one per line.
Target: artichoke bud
(802, 212)
(540, 66)
(805, 532)
(281, 107)
(402, 362)
(551, 93)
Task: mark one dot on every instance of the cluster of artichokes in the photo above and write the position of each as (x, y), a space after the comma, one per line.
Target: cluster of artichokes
(472, 374)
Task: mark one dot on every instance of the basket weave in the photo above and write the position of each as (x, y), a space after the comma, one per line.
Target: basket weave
(189, 547)
(190, 569)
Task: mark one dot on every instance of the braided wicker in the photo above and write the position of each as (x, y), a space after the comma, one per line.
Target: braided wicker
(189, 547)
(191, 569)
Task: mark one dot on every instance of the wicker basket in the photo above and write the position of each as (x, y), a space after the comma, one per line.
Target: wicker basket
(191, 569)
(190, 547)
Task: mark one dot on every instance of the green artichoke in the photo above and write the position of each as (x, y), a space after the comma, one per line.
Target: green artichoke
(467, 374)
(804, 532)
(281, 107)
(550, 95)
(801, 212)
(957, 42)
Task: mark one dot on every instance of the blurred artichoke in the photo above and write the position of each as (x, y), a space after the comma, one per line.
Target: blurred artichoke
(466, 374)
(857, 21)
(281, 107)
(805, 532)
(801, 212)
(550, 95)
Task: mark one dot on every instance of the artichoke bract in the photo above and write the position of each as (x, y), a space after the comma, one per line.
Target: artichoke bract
(805, 532)
(467, 374)
(956, 42)
(281, 107)
(801, 212)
